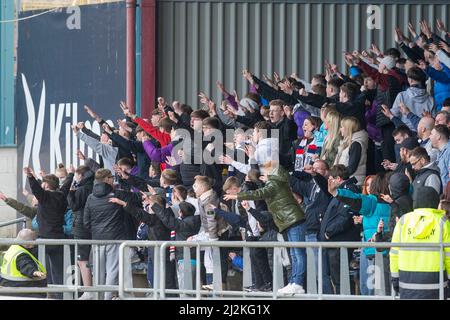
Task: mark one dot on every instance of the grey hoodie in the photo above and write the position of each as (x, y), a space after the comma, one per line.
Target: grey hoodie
(417, 100)
(107, 151)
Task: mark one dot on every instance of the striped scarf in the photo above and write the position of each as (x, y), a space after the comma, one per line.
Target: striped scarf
(172, 248)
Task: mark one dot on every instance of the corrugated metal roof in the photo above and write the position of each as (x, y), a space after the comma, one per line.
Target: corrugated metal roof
(200, 42)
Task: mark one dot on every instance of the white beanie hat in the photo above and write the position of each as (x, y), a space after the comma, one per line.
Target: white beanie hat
(388, 61)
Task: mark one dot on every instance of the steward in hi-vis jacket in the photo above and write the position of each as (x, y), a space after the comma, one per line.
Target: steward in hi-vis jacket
(415, 271)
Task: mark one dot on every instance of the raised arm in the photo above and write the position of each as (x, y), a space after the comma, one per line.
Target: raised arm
(162, 137)
(364, 204)
(121, 142)
(157, 154)
(67, 182)
(105, 150)
(40, 194)
(140, 214)
(27, 211)
(259, 194)
(444, 58)
(311, 99)
(230, 217)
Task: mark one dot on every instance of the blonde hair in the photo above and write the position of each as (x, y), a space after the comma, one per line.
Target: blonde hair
(203, 180)
(102, 174)
(351, 124)
(333, 119)
(231, 182)
(170, 176)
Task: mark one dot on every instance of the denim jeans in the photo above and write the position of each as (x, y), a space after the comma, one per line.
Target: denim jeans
(296, 233)
(150, 252)
(364, 264)
(326, 282)
(209, 278)
(368, 273)
(181, 275)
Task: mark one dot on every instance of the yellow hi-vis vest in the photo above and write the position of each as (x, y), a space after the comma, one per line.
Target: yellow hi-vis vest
(418, 268)
(8, 269)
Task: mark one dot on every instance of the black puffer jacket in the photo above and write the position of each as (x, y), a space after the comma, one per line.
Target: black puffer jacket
(105, 220)
(77, 200)
(337, 221)
(184, 227)
(51, 210)
(157, 230)
(403, 203)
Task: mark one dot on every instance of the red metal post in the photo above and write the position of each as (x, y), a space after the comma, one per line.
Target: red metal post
(131, 54)
(148, 51)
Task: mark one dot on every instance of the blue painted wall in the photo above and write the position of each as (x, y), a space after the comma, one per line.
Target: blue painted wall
(7, 136)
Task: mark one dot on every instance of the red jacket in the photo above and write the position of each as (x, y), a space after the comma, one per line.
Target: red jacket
(162, 137)
(380, 78)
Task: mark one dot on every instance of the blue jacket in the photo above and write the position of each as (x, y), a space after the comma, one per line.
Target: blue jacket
(443, 162)
(441, 85)
(68, 223)
(238, 262)
(372, 210)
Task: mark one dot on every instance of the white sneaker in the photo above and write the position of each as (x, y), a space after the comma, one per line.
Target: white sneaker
(208, 287)
(286, 289)
(297, 289)
(135, 258)
(87, 296)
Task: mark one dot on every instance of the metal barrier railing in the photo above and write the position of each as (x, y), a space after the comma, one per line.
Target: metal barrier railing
(314, 292)
(15, 221)
(125, 289)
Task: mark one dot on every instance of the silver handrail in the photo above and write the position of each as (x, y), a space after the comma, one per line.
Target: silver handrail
(320, 245)
(159, 289)
(15, 221)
